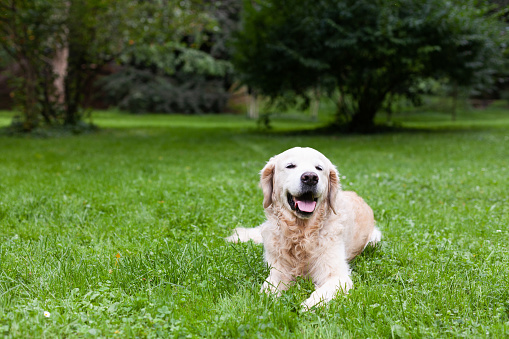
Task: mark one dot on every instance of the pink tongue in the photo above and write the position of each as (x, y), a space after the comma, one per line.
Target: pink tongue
(306, 206)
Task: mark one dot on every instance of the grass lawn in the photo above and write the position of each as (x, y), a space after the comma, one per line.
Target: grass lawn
(120, 233)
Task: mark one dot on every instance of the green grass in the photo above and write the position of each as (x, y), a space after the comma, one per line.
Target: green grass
(120, 233)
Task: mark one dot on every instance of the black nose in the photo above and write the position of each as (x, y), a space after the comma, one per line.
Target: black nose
(309, 178)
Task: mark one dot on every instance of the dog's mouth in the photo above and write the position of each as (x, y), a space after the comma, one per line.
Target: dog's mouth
(304, 204)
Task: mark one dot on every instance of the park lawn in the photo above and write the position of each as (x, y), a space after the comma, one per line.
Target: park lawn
(120, 233)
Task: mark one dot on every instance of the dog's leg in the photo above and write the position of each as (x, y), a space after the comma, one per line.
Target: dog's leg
(327, 291)
(241, 234)
(331, 274)
(276, 282)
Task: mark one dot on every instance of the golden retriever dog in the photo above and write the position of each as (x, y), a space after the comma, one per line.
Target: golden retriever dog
(313, 228)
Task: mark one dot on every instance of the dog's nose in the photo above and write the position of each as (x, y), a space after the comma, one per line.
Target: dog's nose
(309, 178)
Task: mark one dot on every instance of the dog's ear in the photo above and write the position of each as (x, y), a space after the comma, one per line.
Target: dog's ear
(267, 182)
(334, 187)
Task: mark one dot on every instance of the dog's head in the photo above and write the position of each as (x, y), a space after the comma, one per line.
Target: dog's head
(301, 180)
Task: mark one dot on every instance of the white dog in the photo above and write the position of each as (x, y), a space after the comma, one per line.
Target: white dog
(313, 228)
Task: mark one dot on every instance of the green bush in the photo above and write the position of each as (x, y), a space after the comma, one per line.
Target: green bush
(187, 72)
(141, 91)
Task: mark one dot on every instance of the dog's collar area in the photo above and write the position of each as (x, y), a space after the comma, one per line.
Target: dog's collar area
(304, 204)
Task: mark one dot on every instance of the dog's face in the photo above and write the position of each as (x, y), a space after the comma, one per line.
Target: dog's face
(301, 180)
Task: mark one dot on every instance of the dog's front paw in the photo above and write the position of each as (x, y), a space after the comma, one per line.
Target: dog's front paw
(315, 300)
(327, 292)
(310, 303)
(345, 285)
(271, 289)
(232, 238)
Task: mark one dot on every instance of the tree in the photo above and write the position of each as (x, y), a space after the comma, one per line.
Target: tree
(364, 49)
(27, 28)
(60, 44)
(57, 44)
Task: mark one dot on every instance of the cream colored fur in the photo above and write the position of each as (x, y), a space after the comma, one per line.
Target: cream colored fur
(319, 245)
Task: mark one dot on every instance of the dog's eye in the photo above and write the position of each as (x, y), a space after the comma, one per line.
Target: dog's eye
(290, 166)
(319, 168)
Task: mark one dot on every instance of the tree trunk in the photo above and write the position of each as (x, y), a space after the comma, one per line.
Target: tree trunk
(59, 65)
(315, 105)
(60, 62)
(363, 120)
(253, 111)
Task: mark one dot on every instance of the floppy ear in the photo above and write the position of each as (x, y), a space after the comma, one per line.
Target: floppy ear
(334, 187)
(267, 182)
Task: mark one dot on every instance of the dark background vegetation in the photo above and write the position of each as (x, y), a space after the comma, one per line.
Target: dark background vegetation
(60, 57)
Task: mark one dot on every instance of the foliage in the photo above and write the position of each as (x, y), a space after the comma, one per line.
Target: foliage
(120, 234)
(141, 91)
(173, 69)
(58, 45)
(28, 29)
(81, 36)
(168, 79)
(93, 39)
(500, 8)
(366, 50)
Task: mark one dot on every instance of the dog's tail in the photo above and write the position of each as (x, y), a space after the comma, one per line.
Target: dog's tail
(241, 234)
